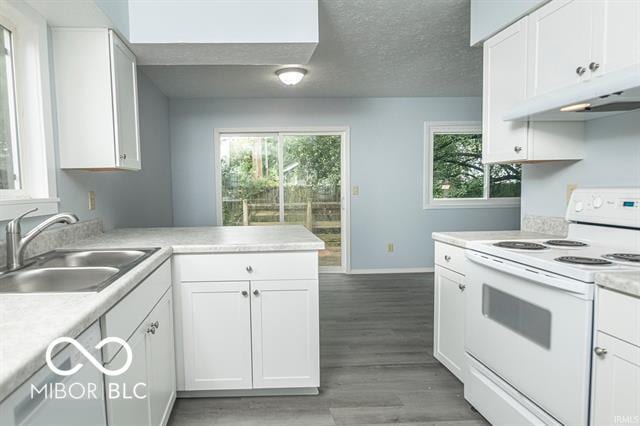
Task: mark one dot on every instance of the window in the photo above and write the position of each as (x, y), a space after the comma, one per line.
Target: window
(455, 175)
(289, 176)
(9, 164)
(27, 165)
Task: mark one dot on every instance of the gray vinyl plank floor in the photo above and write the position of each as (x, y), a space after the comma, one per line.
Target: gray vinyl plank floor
(377, 365)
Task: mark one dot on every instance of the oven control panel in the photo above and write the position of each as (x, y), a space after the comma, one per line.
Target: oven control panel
(606, 206)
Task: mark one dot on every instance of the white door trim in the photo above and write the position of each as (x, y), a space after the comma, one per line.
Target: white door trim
(345, 153)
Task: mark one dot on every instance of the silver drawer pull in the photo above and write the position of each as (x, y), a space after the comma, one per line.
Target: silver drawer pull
(256, 292)
(151, 330)
(245, 293)
(249, 269)
(462, 287)
(156, 324)
(447, 258)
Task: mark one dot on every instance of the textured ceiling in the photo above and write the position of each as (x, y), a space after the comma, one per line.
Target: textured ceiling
(367, 48)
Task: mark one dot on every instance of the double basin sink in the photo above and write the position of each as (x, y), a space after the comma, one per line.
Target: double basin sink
(62, 271)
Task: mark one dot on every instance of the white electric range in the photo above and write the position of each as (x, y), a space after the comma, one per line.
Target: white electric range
(529, 311)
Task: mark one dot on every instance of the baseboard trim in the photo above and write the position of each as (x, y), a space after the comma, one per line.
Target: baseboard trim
(391, 271)
(248, 392)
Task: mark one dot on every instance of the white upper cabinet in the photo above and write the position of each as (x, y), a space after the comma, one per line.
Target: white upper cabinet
(504, 86)
(617, 35)
(572, 41)
(97, 101)
(559, 45)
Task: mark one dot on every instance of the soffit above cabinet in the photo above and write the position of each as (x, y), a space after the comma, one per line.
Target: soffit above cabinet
(190, 32)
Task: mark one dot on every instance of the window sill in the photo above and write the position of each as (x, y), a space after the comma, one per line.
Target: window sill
(495, 203)
(10, 209)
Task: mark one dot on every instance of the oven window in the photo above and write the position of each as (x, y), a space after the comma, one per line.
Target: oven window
(520, 316)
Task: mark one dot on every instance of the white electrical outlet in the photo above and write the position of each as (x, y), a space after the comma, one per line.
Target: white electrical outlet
(390, 248)
(355, 191)
(92, 200)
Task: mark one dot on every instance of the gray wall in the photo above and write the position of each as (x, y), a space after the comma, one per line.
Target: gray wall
(127, 199)
(490, 16)
(612, 158)
(386, 163)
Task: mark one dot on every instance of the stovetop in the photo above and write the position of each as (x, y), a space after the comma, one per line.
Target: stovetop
(586, 251)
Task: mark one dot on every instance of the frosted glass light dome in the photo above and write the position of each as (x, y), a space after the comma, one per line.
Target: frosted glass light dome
(291, 76)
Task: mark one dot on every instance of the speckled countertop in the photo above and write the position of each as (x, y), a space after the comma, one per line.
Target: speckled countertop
(461, 239)
(624, 282)
(29, 322)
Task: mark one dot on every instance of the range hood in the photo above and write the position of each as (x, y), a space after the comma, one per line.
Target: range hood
(611, 94)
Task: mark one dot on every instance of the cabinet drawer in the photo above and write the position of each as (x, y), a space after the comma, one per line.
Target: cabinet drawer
(619, 315)
(125, 317)
(450, 257)
(246, 266)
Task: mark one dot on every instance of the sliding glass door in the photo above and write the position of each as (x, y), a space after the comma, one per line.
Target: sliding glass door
(292, 178)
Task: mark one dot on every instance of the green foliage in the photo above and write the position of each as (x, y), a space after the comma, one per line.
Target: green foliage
(458, 171)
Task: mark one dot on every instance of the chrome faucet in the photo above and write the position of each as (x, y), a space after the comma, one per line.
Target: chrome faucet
(16, 243)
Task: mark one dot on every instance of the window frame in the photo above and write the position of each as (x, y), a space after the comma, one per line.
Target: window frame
(34, 120)
(429, 202)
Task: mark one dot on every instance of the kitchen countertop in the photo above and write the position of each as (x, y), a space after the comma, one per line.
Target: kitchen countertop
(461, 239)
(624, 282)
(29, 322)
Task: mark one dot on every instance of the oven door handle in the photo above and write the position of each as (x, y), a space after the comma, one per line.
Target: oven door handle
(578, 288)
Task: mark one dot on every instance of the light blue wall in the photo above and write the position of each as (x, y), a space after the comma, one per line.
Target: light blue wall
(612, 158)
(490, 16)
(386, 163)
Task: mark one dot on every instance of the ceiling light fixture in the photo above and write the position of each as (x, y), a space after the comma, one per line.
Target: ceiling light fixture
(576, 107)
(291, 76)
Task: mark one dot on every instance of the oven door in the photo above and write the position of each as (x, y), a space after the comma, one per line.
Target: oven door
(533, 330)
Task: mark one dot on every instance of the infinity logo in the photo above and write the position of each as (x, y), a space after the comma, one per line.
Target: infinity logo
(88, 356)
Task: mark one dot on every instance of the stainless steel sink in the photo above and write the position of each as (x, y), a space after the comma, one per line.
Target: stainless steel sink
(72, 271)
(53, 280)
(92, 258)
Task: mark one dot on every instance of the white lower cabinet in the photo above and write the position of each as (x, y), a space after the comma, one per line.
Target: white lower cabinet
(250, 335)
(285, 334)
(243, 329)
(217, 335)
(617, 382)
(615, 388)
(448, 344)
(448, 308)
(144, 394)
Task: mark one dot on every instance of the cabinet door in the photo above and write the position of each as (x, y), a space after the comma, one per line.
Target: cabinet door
(504, 85)
(162, 374)
(125, 104)
(285, 334)
(560, 39)
(448, 330)
(616, 38)
(616, 384)
(131, 410)
(216, 331)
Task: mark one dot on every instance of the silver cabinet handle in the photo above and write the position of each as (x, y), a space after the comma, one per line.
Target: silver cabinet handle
(123, 156)
(245, 293)
(462, 287)
(600, 351)
(151, 330)
(156, 324)
(517, 149)
(249, 269)
(581, 70)
(447, 258)
(593, 66)
(256, 292)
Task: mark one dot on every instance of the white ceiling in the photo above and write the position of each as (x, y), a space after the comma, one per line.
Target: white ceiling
(367, 48)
